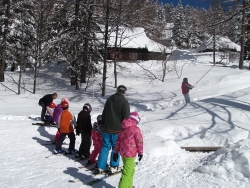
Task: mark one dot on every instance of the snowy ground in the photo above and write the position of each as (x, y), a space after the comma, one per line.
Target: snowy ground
(218, 116)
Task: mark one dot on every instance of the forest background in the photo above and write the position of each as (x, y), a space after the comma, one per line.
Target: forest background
(78, 32)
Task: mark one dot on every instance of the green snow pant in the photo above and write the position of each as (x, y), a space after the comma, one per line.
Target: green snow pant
(128, 172)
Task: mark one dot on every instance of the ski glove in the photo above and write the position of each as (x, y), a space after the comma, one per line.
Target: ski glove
(115, 157)
(140, 157)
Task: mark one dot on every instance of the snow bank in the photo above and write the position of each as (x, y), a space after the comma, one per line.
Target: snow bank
(162, 148)
(229, 162)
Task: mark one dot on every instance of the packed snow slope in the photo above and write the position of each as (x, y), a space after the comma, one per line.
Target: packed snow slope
(218, 116)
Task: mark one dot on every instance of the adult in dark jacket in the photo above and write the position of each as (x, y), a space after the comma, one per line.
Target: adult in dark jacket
(84, 127)
(116, 109)
(45, 102)
(185, 87)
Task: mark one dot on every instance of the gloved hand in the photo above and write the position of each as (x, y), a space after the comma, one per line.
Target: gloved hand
(115, 157)
(140, 157)
(58, 130)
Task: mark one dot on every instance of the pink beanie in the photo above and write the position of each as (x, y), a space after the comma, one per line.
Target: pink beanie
(65, 99)
(135, 116)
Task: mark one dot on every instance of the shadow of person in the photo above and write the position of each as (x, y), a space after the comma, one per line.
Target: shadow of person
(84, 178)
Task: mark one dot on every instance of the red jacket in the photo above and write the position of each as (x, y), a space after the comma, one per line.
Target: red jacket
(97, 138)
(129, 141)
(185, 87)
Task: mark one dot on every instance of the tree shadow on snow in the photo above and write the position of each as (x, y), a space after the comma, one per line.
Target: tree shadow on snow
(85, 178)
(225, 104)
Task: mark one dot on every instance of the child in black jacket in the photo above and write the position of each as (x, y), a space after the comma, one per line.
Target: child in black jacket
(84, 127)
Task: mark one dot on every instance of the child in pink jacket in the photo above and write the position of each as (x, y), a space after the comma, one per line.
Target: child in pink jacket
(97, 140)
(129, 143)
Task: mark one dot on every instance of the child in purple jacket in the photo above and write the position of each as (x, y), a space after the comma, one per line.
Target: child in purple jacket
(129, 143)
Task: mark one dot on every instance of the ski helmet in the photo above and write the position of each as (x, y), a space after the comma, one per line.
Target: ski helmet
(52, 105)
(88, 107)
(64, 104)
(185, 80)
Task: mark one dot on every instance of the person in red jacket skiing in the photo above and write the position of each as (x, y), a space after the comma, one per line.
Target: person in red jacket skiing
(185, 87)
(129, 143)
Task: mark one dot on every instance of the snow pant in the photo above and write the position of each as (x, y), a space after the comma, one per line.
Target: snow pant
(108, 141)
(49, 119)
(43, 110)
(187, 98)
(95, 152)
(84, 148)
(72, 140)
(128, 171)
(57, 136)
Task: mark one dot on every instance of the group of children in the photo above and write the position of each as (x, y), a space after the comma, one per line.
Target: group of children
(129, 142)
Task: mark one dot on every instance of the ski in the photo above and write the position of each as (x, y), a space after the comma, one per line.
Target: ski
(89, 167)
(103, 177)
(55, 154)
(53, 143)
(44, 124)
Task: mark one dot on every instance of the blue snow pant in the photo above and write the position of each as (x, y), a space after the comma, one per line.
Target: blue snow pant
(108, 141)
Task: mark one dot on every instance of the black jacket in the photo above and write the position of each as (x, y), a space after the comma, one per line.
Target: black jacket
(83, 122)
(116, 109)
(47, 99)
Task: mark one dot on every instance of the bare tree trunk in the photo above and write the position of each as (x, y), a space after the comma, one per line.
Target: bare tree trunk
(4, 42)
(104, 76)
(86, 46)
(243, 35)
(35, 76)
(116, 40)
(115, 55)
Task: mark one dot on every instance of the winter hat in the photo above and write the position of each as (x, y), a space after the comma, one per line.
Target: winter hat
(65, 99)
(135, 116)
(121, 89)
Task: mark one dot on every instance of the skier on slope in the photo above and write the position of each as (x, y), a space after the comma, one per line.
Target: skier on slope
(185, 87)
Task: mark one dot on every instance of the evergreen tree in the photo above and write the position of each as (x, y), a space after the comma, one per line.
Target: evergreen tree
(180, 34)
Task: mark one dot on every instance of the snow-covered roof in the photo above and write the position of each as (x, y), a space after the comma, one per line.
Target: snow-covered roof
(220, 43)
(136, 38)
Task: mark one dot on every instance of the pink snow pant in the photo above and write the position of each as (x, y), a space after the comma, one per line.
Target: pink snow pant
(95, 152)
(57, 136)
